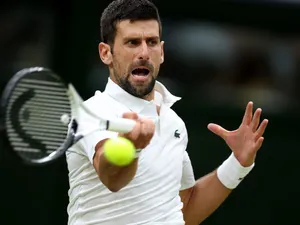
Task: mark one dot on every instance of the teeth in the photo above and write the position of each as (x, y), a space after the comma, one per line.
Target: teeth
(139, 75)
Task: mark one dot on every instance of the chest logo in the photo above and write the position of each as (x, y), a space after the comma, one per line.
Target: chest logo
(177, 134)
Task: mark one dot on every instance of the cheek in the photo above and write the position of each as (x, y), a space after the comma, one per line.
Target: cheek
(157, 60)
(121, 66)
(156, 55)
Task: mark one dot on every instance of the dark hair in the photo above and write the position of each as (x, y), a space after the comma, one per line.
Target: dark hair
(132, 10)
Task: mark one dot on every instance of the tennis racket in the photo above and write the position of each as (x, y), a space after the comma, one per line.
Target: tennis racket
(41, 115)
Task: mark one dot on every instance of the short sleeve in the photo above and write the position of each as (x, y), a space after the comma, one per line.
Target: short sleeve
(89, 143)
(188, 178)
(88, 123)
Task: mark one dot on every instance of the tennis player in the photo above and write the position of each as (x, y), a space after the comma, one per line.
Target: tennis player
(158, 187)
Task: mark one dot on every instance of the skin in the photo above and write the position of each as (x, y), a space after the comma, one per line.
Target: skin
(137, 44)
(209, 193)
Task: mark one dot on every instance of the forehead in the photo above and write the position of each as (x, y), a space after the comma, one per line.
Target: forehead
(127, 28)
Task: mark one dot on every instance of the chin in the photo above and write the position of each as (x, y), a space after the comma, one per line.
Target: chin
(141, 90)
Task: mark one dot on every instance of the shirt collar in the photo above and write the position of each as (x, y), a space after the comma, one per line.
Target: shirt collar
(135, 104)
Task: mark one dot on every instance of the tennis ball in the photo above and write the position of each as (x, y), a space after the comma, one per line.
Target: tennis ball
(119, 151)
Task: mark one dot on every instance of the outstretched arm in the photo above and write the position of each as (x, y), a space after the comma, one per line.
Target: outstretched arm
(210, 191)
(117, 177)
(203, 199)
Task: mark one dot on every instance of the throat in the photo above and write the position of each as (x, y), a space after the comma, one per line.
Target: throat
(149, 97)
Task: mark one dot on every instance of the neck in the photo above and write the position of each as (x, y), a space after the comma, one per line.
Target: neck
(149, 97)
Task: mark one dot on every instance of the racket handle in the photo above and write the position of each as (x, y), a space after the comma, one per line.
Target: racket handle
(120, 125)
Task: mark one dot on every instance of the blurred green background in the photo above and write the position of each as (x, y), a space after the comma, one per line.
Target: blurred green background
(218, 56)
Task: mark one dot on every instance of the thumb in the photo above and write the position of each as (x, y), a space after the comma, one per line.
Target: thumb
(131, 115)
(218, 130)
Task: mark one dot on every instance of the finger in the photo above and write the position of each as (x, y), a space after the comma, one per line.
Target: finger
(145, 133)
(259, 143)
(261, 130)
(131, 115)
(151, 128)
(218, 130)
(256, 119)
(147, 129)
(135, 133)
(248, 114)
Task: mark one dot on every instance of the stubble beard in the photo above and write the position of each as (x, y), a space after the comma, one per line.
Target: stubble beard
(139, 91)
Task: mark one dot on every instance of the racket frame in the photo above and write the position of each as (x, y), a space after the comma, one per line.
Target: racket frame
(9, 88)
(120, 125)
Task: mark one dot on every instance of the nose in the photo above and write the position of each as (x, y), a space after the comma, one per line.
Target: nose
(144, 51)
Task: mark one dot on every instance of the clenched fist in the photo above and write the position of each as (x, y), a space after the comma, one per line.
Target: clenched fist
(143, 131)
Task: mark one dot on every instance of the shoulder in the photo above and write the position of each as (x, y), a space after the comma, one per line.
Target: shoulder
(173, 117)
(97, 98)
(102, 104)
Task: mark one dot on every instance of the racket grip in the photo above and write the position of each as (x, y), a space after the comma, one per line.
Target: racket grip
(120, 125)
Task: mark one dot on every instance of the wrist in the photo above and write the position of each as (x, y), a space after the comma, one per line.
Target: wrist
(245, 163)
(231, 172)
(138, 152)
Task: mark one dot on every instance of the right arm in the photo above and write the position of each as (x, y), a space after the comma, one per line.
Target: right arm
(117, 177)
(113, 177)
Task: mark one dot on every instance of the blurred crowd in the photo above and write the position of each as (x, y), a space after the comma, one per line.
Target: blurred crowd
(219, 64)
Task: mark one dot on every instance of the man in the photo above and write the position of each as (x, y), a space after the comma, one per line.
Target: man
(158, 187)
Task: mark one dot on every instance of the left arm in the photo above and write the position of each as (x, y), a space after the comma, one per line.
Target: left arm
(201, 200)
(210, 191)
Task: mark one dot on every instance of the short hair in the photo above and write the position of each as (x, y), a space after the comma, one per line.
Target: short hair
(120, 10)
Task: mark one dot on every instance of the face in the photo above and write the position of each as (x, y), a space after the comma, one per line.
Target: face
(136, 57)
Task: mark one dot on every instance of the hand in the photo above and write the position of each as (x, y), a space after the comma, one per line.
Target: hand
(247, 139)
(143, 131)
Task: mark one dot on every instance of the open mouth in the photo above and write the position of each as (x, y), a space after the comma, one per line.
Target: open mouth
(141, 71)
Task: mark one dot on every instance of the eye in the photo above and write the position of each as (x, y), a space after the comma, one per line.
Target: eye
(153, 42)
(132, 42)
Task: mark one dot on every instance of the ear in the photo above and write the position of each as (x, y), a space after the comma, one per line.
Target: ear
(105, 53)
(162, 57)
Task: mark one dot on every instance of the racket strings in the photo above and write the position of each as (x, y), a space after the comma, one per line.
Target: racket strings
(33, 115)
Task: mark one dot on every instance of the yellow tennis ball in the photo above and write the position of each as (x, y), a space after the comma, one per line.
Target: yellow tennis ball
(119, 151)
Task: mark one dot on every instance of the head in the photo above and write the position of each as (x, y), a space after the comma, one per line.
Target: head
(131, 45)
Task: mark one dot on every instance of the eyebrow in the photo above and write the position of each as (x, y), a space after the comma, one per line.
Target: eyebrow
(135, 37)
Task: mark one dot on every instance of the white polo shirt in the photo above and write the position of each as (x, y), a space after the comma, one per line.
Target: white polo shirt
(164, 167)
